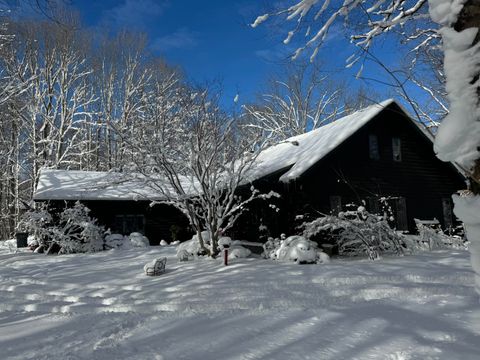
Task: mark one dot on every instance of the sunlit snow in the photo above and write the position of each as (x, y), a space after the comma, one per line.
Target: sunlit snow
(102, 306)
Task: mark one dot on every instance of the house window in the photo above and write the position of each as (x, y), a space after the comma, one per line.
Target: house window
(397, 149)
(126, 224)
(373, 147)
(393, 209)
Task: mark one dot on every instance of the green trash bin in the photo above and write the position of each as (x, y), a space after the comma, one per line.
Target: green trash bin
(22, 239)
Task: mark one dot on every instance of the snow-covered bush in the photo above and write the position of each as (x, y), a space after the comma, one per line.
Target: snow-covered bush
(114, 241)
(190, 249)
(76, 231)
(238, 252)
(10, 244)
(32, 242)
(357, 233)
(37, 222)
(119, 241)
(163, 243)
(295, 249)
(270, 247)
(73, 229)
(138, 240)
(431, 237)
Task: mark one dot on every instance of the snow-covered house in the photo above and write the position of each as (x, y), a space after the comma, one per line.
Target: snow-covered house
(375, 156)
(377, 153)
(121, 202)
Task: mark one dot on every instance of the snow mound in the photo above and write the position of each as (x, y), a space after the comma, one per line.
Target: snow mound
(269, 248)
(187, 250)
(119, 241)
(238, 252)
(190, 249)
(114, 241)
(300, 250)
(139, 240)
(467, 209)
(9, 244)
(163, 243)
(32, 241)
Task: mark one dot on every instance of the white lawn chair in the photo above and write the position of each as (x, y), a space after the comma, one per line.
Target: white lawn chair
(155, 267)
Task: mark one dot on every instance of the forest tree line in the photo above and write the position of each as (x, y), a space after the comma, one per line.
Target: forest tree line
(79, 99)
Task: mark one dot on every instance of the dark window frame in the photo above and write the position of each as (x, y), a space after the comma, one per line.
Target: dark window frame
(129, 223)
(373, 147)
(396, 149)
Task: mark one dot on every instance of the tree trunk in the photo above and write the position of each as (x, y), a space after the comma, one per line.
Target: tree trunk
(214, 245)
(202, 242)
(469, 17)
(467, 208)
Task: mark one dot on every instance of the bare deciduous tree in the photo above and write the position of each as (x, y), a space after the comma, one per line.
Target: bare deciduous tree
(300, 101)
(190, 154)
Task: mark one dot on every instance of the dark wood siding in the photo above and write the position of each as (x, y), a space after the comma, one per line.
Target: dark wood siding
(159, 218)
(419, 181)
(416, 182)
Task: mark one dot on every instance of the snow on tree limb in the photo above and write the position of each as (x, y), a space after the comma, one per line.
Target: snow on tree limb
(381, 16)
(458, 137)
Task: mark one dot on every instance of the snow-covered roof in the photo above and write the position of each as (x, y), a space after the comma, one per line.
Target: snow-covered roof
(302, 151)
(297, 154)
(93, 185)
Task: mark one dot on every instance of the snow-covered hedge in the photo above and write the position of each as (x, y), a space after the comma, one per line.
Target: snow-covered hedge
(295, 249)
(357, 233)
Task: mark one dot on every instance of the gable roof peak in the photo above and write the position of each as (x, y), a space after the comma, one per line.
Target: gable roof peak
(312, 146)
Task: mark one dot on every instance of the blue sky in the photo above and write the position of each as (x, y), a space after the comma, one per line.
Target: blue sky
(212, 40)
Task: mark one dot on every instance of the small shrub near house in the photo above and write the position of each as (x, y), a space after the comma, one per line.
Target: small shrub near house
(360, 233)
(73, 229)
(296, 249)
(357, 233)
(432, 237)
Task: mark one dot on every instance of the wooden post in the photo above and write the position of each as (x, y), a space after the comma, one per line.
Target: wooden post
(225, 257)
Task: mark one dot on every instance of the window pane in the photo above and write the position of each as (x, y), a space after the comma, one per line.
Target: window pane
(397, 149)
(373, 147)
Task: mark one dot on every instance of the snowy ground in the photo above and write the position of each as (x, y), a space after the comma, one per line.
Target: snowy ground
(101, 306)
